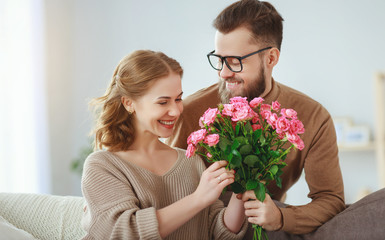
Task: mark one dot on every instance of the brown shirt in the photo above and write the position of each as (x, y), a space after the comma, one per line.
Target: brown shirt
(319, 158)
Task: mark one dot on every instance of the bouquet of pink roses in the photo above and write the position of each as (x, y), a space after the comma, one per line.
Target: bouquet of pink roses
(254, 138)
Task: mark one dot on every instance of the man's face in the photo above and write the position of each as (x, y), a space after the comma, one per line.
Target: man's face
(250, 82)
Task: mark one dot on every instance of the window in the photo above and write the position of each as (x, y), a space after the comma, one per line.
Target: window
(24, 154)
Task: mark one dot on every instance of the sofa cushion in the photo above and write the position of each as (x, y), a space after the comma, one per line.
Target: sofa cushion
(10, 232)
(44, 216)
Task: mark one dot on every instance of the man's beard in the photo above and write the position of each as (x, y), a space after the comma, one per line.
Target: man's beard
(254, 90)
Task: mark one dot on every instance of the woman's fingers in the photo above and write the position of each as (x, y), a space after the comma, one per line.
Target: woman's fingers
(217, 165)
(223, 175)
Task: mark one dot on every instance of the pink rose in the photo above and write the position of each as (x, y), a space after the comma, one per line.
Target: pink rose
(255, 119)
(272, 119)
(296, 127)
(196, 137)
(256, 101)
(282, 124)
(265, 114)
(211, 139)
(282, 135)
(275, 105)
(238, 100)
(190, 150)
(209, 155)
(265, 107)
(292, 137)
(241, 114)
(228, 110)
(299, 144)
(296, 140)
(256, 127)
(289, 113)
(210, 115)
(201, 124)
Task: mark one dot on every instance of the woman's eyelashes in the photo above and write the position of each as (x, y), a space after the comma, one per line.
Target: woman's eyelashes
(165, 102)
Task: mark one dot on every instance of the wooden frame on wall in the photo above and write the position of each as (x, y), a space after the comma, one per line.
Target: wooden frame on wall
(380, 125)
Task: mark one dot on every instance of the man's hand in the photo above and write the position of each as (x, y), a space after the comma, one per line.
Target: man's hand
(265, 214)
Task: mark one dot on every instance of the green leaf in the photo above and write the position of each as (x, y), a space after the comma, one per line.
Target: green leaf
(274, 169)
(245, 149)
(248, 127)
(229, 157)
(278, 181)
(263, 158)
(269, 176)
(235, 144)
(262, 140)
(257, 151)
(237, 127)
(223, 143)
(251, 184)
(237, 188)
(260, 192)
(251, 160)
(275, 154)
(241, 140)
(257, 134)
(237, 158)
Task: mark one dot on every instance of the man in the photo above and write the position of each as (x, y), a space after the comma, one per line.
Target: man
(247, 48)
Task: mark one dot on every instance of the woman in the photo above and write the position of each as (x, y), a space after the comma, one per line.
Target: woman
(137, 187)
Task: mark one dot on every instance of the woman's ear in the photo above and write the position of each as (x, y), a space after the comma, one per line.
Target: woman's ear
(272, 57)
(128, 104)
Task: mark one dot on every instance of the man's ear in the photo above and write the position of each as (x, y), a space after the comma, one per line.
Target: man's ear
(128, 104)
(272, 57)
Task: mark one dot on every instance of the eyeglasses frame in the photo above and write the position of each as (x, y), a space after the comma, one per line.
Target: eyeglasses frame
(224, 59)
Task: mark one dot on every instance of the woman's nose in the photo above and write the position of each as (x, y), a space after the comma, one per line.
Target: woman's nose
(175, 110)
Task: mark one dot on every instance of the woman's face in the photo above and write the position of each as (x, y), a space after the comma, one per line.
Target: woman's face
(157, 111)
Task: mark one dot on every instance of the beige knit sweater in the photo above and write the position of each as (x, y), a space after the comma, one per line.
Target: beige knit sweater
(122, 200)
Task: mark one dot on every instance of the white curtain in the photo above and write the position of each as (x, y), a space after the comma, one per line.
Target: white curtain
(24, 165)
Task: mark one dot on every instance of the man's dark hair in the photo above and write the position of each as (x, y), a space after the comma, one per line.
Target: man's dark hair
(261, 18)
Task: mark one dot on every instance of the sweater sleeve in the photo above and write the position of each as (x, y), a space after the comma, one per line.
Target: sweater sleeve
(112, 210)
(323, 175)
(216, 211)
(218, 228)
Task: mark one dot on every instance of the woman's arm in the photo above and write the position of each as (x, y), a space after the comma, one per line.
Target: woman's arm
(234, 214)
(211, 184)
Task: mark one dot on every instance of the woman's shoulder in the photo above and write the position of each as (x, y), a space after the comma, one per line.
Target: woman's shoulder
(100, 159)
(99, 156)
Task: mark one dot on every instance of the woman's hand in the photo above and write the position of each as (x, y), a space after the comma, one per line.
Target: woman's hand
(214, 179)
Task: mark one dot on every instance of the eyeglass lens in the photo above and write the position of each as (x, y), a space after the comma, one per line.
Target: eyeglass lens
(233, 64)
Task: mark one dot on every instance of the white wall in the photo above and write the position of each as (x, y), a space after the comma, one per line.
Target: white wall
(330, 51)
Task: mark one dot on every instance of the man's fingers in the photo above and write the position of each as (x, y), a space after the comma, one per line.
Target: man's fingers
(252, 204)
(248, 195)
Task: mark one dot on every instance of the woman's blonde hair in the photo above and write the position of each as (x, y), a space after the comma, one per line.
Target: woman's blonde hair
(133, 76)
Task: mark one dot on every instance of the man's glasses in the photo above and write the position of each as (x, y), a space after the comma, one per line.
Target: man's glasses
(234, 63)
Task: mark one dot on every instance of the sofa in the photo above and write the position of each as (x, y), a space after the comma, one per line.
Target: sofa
(36, 216)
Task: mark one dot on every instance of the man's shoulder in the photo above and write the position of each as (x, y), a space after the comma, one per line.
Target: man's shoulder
(293, 95)
(208, 93)
(202, 99)
(305, 106)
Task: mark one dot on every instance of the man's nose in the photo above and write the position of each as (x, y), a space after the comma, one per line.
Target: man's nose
(226, 72)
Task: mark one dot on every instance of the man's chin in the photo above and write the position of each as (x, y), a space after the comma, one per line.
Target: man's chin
(226, 93)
